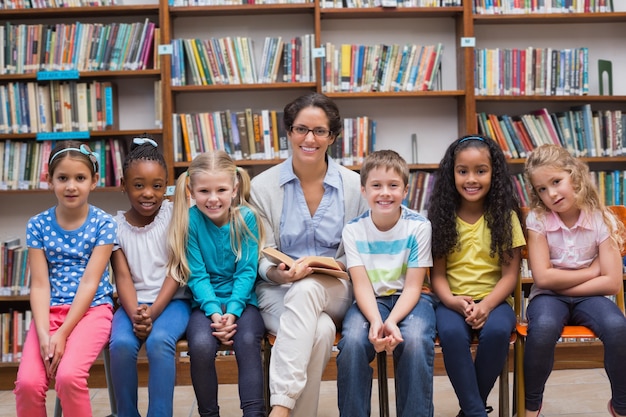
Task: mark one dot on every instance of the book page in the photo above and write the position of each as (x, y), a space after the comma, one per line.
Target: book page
(320, 264)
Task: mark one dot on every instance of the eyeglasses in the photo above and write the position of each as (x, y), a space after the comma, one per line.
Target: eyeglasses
(319, 132)
(141, 141)
(85, 150)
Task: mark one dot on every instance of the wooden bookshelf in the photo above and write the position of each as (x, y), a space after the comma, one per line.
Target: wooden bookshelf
(437, 116)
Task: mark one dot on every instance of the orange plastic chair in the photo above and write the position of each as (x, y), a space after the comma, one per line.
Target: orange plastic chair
(570, 332)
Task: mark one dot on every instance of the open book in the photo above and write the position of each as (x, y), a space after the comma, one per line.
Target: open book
(321, 264)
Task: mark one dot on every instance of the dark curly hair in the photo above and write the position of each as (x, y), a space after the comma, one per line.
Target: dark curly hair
(499, 202)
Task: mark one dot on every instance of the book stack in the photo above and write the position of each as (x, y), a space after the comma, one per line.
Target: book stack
(384, 68)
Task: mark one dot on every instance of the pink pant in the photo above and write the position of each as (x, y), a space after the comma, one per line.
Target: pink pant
(82, 348)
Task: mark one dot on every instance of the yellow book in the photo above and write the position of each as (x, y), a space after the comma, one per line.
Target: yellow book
(346, 66)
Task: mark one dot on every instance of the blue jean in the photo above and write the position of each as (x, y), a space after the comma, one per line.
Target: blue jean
(203, 347)
(547, 314)
(473, 379)
(161, 350)
(414, 359)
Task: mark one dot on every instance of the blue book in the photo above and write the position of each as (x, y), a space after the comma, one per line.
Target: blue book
(517, 142)
(587, 128)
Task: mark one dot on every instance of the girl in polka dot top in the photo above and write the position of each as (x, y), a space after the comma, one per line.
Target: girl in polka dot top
(69, 246)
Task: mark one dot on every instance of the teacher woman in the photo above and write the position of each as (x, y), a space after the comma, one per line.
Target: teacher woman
(304, 203)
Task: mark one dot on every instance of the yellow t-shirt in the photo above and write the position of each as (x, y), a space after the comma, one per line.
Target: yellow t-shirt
(471, 271)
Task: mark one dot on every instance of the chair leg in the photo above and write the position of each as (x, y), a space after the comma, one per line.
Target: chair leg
(518, 388)
(58, 410)
(504, 389)
(383, 386)
(107, 374)
(267, 353)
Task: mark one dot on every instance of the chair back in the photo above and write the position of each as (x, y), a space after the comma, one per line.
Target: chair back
(620, 215)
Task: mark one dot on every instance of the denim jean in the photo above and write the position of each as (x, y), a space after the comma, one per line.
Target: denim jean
(547, 314)
(203, 347)
(414, 359)
(167, 329)
(473, 379)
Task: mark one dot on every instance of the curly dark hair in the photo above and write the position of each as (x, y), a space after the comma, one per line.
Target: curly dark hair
(501, 199)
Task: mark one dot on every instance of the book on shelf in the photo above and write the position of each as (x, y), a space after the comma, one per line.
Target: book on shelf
(242, 129)
(319, 264)
(531, 71)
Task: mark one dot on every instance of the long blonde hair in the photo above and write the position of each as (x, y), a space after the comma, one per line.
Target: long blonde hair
(178, 266)
(586, 194)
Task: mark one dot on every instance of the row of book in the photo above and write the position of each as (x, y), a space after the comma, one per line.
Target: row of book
(531, 71)
(356, 4)
(261, 135)
(365, 68)
(542, 6)
(50, 4)
(230, 60)
(14, 325)
(243, 134)
(77, 46)
(357, 140)
(14, 269)
(581, 130)
(23, 165)
(184, 3)
(58, 106)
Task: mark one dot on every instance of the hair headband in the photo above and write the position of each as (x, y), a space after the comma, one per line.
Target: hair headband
(472, 138)
(84, 149)
(141, 141)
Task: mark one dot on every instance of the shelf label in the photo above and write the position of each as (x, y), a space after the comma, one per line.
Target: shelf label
(389, 3)
(318, 52)
(165, 49)
(468, 42)
(63, 135)
(169, 191)
(58, 75)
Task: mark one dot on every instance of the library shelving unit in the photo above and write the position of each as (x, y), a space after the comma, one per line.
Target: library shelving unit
(435, 117)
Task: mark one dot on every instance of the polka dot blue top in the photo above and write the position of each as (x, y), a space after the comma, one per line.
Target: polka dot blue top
(68, 252)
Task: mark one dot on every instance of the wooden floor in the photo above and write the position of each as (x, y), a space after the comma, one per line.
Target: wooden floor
(569, 393)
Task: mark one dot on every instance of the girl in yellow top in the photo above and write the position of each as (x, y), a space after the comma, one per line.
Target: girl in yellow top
(477, 240)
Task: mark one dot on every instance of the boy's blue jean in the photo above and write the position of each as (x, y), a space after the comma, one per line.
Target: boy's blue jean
(414, 359)
(247, 346)
(124, 346)
(547, 314)
(473, 379)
